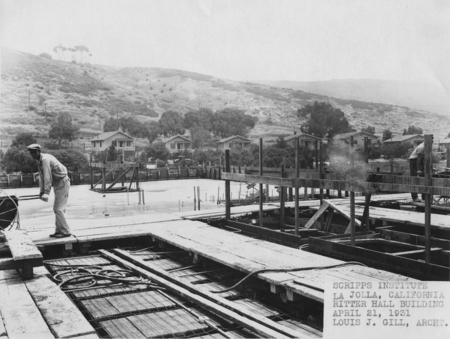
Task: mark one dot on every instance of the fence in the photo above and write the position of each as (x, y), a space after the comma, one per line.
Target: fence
(80, 178)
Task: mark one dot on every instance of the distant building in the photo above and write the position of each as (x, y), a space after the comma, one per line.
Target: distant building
(412, 139)
(304, 139)
(235, 141)
(177, 144)
(358, 138)
(122, 142)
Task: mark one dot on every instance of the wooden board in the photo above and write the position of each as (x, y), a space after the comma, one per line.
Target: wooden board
(9, 274)
(21, 316)
(220, 212)
(246, 254)
(21, 246)
(404, 217)
(2, 328)
(61, 315)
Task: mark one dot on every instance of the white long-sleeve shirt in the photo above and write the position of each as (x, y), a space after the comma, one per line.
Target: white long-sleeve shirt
(50, 169)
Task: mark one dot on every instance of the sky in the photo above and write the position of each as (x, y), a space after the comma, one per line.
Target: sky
(297, 40)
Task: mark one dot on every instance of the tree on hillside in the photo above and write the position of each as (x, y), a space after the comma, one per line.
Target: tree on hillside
(203, 118)
(151, 131)
(387, 134)
(232, 121)
(45, 55)
(412, 130)
(323, 119)
(368, 129)
(63, 129)
(23, 140)
(200, 136)
(448, 135)
(171, 123)
(157, 151)
(129, 125)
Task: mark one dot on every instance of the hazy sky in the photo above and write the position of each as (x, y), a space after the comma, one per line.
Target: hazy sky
(245, 39)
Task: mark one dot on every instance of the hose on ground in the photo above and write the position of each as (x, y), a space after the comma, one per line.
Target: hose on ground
(286, 270)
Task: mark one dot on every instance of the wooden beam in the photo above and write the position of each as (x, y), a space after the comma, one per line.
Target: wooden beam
(227, 187)
(24, 252)
(329, 219)
(352, 217)
(317, 215)
(428, 197)
(261, 187)
(17, 302)
(60, 313)
(297, 172)
(434, 249)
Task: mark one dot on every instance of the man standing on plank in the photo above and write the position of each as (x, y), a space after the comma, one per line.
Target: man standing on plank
(53, 173)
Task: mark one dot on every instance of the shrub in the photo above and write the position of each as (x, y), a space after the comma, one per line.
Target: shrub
(396, 150)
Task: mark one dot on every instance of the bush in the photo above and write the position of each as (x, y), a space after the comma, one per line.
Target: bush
(396, 150)
(160, 163)
(72, 159)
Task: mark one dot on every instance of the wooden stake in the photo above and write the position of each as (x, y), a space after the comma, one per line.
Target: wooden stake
(297, 173)
(428, 197)
(227, 186)
(352, 217)
(282, 199)
(198, 196)
(195, 200)
(261, 187)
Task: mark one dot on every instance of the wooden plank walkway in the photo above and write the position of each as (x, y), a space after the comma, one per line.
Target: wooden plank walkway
(37, 308)
(231, 249)
(248, 255)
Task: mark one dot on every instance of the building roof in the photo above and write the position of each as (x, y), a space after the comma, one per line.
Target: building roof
(233, 137)
(177, 136)
(349, 134)
(404, 138)
(108, 135)
(294, 136)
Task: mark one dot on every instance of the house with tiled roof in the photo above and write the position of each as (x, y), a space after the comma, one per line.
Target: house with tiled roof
(235, 141)
(122, 142)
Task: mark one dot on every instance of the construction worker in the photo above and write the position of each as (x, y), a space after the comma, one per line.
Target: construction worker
(53, 173)
(417, 165)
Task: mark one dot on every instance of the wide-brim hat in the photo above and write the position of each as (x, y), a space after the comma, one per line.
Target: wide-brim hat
(34, 147)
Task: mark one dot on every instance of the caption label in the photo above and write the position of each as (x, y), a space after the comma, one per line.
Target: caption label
(373, 309)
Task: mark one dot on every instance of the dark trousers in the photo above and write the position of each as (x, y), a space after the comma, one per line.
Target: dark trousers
(413, 172)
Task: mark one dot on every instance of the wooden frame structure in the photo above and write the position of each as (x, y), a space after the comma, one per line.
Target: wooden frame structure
(107, 168)
(329, 181)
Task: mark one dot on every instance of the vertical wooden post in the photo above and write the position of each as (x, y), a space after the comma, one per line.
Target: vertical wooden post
(428, 196)
(195, 200)
(92, 176)
(137, 177)
(352, 217)
(297, 172)
(267, 193)
(261, 187)
(321, 176)
(316, 154)
(366, 150)
(448, 155)
(282, 199)
(198, 197)
(227, 187)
